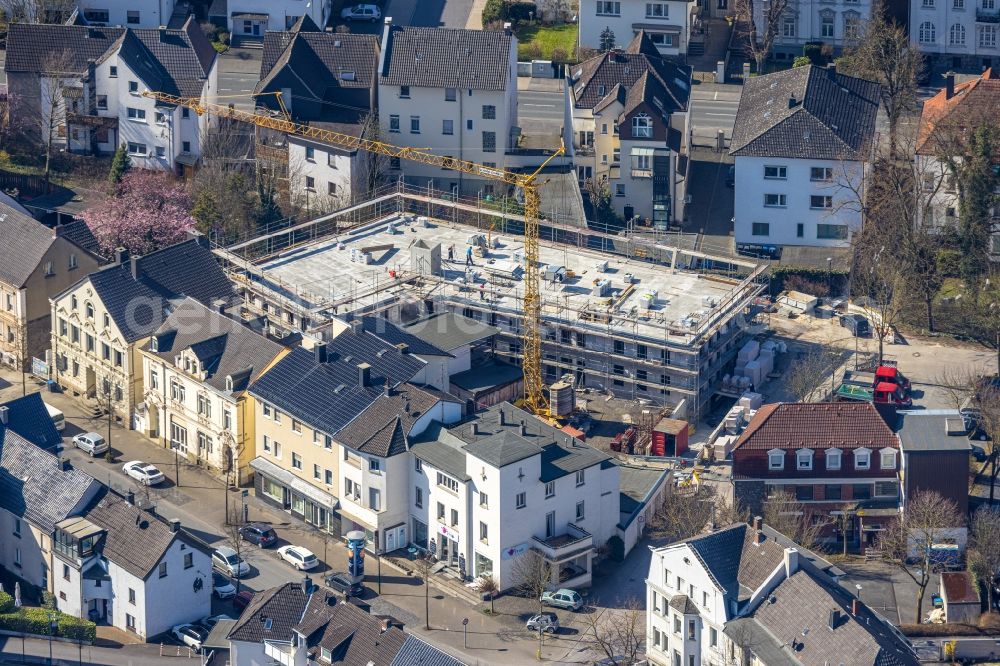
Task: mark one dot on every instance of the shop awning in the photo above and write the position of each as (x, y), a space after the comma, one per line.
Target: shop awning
(269, 469)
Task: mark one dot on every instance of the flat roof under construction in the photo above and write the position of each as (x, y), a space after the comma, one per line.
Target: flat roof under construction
(659, 302)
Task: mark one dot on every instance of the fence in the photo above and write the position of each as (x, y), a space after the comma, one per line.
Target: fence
(26, 184)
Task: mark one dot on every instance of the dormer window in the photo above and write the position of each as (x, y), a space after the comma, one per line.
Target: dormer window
(804, 459)
(154, 344)
(229, 383)
(833, 458)
(194, 367)
(776, 459)
(862, 458)
(642, 126)
(887, 458)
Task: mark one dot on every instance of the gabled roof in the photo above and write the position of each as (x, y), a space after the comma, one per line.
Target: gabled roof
(28, 417)
(35, 47)
(353, 637)
(449, 330)
(34, 486)
(78, 233)
(822, 425)
(416, 651)
(943, 119)
(118, 291)
(806, 112)
(136, 539)
(447, 58)
(391, 334)
(284, 606)
(23, 242)
(224, 346)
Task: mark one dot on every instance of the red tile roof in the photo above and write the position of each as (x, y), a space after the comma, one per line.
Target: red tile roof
(844, 425)
(973, 103)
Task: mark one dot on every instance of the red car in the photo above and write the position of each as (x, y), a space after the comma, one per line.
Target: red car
(242, 600)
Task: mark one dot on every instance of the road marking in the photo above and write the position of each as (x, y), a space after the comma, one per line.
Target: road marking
(725, 115)
(545, 106)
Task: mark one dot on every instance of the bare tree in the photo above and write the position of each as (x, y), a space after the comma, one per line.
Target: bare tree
(618, 634)
(880, 281)
(985, 547)
(489, 585)
(986, 400)
(794, 519)
(843, 521)
(761, 30)
(684, 514)
(424, 566)
(104, 395)
(36, 11)
(806, 377)
(57, 70)
(377, 165)
(532, 575)
(907, 541)
(234, 522)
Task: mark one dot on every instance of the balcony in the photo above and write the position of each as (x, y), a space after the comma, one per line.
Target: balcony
(569, 555)
(280, 651)
(987, 16)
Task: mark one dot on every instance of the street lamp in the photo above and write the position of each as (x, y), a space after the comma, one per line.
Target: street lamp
(858, 588)
(53, 625)
(465, 631)
(829, 277)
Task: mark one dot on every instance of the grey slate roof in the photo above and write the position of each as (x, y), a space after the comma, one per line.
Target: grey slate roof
(283, 605)
(35, 487)
(79, 234)
(353, 637)
(120, 293)
(136, 539)
(449, 330)
(806, 112)
(224, 346)
(683, 604)
(441, 456)
(383, 427)
(447, 58)
(23, 242)
(34, 47)
(28, 417)
(932, 430)
(416, 651)
(393, 335)
(487, 376)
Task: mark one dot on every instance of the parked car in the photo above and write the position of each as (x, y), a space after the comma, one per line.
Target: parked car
(242, 600)
(209, 623)
(144, 473)
(857, 324)
(563, 598)
(259, 534)
(978, 453)
(974, 425)
(731, 176)
(226, 560)
(361, 13)
(222, 587)
(91, 442)
(190, 635)
(547, 622)
(299, 557)
(341, 582)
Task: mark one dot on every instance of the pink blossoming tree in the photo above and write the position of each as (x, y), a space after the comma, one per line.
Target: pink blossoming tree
(147, 211)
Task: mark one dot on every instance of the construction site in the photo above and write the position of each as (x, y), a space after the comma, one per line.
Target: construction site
(637, 316)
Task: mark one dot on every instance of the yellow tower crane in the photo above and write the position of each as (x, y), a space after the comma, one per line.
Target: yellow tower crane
(534, 397)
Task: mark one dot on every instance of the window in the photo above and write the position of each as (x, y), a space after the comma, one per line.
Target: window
(267, 444)
(831, 231)
(804, 459)
(185, 112)
(450, 94)
(136, 114)
(775, 172)
(90, 343)
(394, 123)
(852, 26)
(136, 148)
(447, 126)
(404, 92)
(803, 493)
(351, 489)
(418, 464)
(833, 458)
(958, 4)
(310, 154)
(677, 624)
(820, 202)
(188, 560)
(418, 497)
(775, 200)
(163, 569)
(988, 36)
(414, 124)
(800, 230)
(446, 481)
(519, 501)
(132, 17)
(454, 517)
(927, 32)
(129, 622)
(105, 351)
(310, 183)
(862, 491)
(374, 499)
(161, 151)
(775, 459)
(580, 479)
(489, 142)
(440, 511)
(862, 459)
(374, 465)
(832, 492)
(484, 532)
(657, 10)
(826, 27)
(642, 126)
(131, 596)
(821, 174)
(989, 4)
(580, 514)
(484, 500)
(468, 124)
(788, 26)
(886, 489)
(328, 477)
(489, 112)
(296, 460)
(888, 459)
(661, 39)
(133, 86)
(956, 35)
(619, 189)
(609, 8)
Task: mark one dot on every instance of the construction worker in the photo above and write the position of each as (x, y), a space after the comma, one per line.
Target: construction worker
(468, 256)
(451, 252)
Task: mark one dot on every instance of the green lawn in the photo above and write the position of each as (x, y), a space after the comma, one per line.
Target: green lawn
(547, 38)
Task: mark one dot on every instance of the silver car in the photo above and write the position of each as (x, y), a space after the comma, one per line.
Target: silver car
(547, 622)
(91, 442)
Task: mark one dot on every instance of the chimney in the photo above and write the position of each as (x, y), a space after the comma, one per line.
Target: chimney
(855, 606)
(384, 622)
(387, 389)
(403, 348)
(130, 497)
(506, 28)
(792, 102)
(832, 68)
(175, 525)
(791, 561)
(219, 305)
(365, 374)
(134, 267)
(320, 351)
(523, 429)
(4, 415)
(500, 416)
(949, 85)
(306, 585)
(758, 522)
(163, 33)
(64, 464)
(834, 619)
(475, 428)
(121, 254)
(356, 326)
(57, 231)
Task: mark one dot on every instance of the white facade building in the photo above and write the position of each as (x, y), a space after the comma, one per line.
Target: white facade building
(960, 33)
(803, 141)
(452, 91)
(248, 20)
(127, 14)
(834, 23)
(667, 22)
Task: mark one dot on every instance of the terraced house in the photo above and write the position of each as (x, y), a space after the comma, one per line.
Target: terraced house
(197, 367)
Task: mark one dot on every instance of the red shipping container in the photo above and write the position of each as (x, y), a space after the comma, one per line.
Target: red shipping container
(670, 438)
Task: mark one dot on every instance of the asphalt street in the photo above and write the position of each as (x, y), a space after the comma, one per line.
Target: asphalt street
(713, 108)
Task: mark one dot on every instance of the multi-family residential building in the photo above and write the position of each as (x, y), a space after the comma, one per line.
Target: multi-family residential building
(38, 262)
(836, 24)
(630, 129)
(486, 491)
(248, 21)
(696, 588)
(197, 367)
(328, 81)
(86, 83)
(611, 23)
(332, 428)
(960, 34)
(452, 90)
(828, 457)
(131, 14)
(37, 490)
(945, 124)
(130, 568)
(803, 143)
(100, 323)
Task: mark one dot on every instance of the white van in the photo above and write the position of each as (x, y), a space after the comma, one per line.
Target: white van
(58, 418)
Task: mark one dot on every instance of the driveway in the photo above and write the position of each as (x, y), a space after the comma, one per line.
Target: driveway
(710, 212)
(239, 72)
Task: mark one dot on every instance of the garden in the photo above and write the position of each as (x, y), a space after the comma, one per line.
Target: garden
(544, 31)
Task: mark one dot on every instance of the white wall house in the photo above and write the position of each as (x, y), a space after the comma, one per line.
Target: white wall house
(959, 33)
(452, 91)
(127, 14)
(250, 19)
(836, 23)
(802, 143)
(667, 22)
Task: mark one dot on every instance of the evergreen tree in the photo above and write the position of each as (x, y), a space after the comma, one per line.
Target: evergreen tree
(977, 184)
(120, 164)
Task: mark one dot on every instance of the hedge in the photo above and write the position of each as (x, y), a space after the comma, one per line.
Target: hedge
(501, 10)
(6, 602)
(946, 629)
(36, 621)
